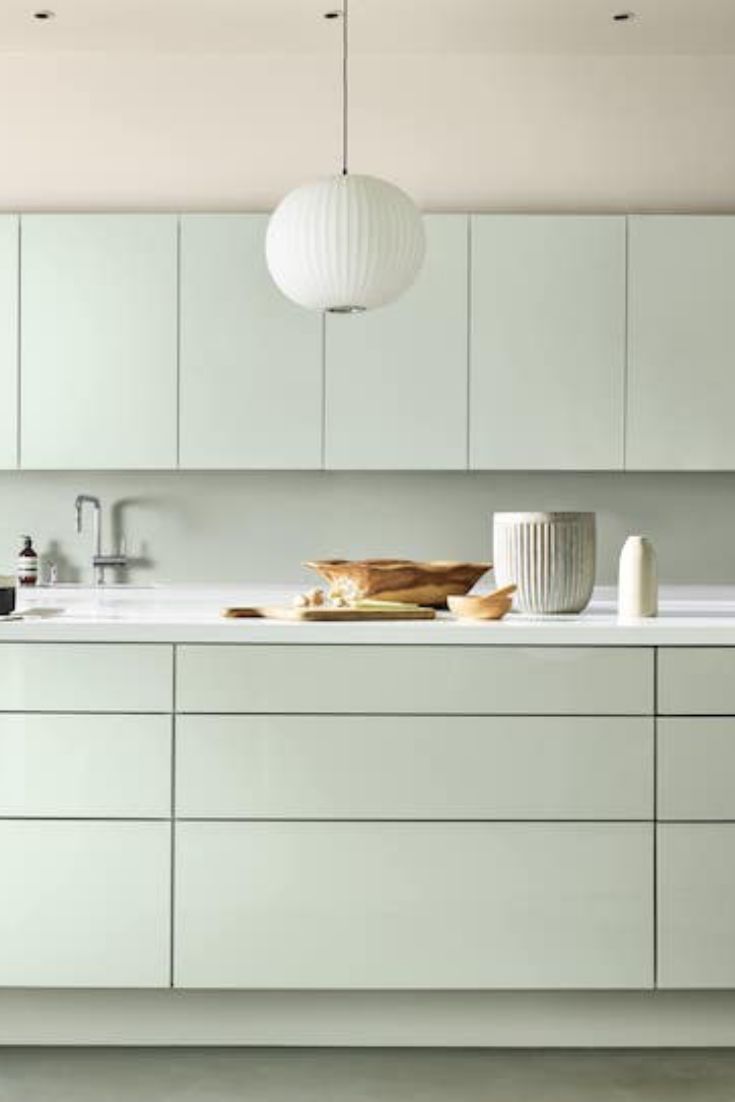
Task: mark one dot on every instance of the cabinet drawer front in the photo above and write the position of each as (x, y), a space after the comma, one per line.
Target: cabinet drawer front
(696, 681)
(415, 679)
(696, 905)
(85, 904)
(696, 768)
(413, 905)
(85, 677)
(404, 767)
(85, 766)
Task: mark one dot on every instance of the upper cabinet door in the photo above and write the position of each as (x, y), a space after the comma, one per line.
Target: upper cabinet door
(397, 377)
(547, 342)
(681, 368)
(99, 341)
(251, 361)
(9, 340)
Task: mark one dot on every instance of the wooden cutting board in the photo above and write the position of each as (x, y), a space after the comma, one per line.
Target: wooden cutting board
(332, 615)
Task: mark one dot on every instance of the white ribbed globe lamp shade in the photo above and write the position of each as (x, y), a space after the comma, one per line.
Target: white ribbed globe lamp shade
(345, 243)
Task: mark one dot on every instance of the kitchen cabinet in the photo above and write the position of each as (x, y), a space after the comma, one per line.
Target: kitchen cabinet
(85, 766)
(9, 303)
(84, 904)
(547, 342)
(681, 382)
(413, 905)
(396, 378)
(99, 341)
(85, 677)
(415, 680)
(696, 681)
(696, 905)
(696, 768)
(251, 361)
(413, 767)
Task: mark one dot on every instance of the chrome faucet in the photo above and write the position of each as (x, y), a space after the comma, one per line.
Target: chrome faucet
(100, 562)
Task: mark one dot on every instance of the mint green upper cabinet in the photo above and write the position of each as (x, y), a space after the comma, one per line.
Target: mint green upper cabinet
(251, 361)
(9, 340)
(681, 367)
(99, 341)
(547, 342)
(396, 377)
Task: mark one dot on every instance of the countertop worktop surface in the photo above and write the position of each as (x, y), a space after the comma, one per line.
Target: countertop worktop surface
(689, 616)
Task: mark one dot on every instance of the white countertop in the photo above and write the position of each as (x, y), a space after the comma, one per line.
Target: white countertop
(689, 616)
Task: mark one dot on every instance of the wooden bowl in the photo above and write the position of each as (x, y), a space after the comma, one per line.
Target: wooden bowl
(486, 606)
(420, 583)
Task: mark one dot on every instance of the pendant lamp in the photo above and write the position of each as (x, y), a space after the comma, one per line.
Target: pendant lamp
(346, 243)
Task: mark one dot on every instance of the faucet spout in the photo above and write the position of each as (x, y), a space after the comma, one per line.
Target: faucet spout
(90, 499)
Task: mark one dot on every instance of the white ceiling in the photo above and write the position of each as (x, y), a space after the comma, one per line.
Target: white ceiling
(393, 26)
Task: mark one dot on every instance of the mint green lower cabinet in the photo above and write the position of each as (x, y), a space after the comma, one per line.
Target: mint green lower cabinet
(413, 767)
(85, 766)
(9, 242)
(696, 681)
(413, 905)
(396, 378)
(681, 384)
(99, 341)
(86, 677)
(84, 904)
(696, 905)
(415, 679)
(696, 768)
(547, 342)
(251, 361)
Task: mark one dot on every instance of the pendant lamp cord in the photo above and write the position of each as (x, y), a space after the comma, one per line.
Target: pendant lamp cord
(345, 83)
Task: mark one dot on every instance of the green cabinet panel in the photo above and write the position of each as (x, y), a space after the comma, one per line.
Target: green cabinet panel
(681, 371)
(9, 341)
(696, 905)
(413, 905)
(99, 341)
(251, 361)
(396, 378)
(547, 343)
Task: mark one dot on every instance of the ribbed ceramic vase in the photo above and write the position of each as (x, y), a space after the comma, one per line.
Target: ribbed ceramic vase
(549, 556)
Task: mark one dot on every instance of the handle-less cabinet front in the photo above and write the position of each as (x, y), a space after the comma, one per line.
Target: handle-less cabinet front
(547, 343)
(696, 905)
(396, 378)
(413, 767)
(85, 766)
(99, 341)
(9, 340)
(85, 904)
(681, 383)
(418, 680)
(413, 905)
(251, 361)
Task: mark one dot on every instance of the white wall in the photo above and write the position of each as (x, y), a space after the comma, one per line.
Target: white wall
(509, 132)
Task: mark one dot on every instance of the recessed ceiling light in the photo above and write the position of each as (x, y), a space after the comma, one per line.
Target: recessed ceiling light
(44, 14)
(624, 17)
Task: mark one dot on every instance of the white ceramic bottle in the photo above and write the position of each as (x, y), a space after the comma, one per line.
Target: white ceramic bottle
(637, 579)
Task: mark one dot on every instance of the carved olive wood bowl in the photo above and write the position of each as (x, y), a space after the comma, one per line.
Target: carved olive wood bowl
(420, 583)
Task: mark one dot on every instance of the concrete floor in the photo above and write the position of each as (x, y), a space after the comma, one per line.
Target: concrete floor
(262, 1075)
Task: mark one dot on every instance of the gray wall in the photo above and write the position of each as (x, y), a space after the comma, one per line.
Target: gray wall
(259, 526)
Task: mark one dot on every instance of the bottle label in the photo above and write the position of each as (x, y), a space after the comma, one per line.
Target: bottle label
(27, 571)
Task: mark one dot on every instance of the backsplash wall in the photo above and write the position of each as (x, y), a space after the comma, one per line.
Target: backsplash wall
(259, 526)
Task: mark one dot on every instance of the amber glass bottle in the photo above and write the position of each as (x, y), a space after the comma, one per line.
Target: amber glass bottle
(27, 568)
